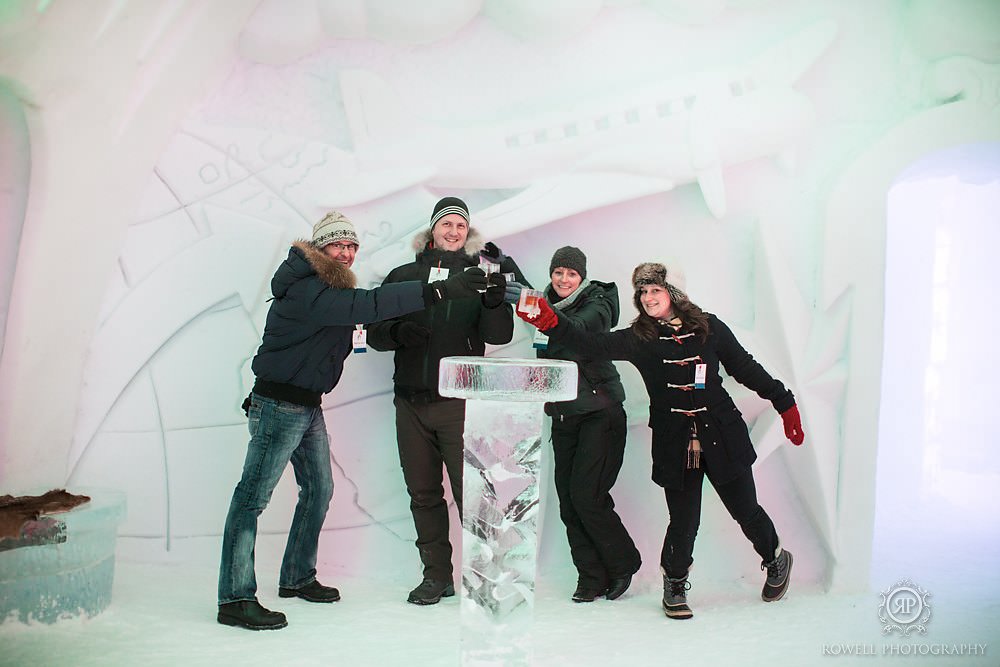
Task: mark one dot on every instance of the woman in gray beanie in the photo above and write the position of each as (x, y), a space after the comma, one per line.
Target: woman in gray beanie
(588, 435)
(679, 350)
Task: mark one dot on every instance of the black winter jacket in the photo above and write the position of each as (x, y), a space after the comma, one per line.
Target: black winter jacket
(307, 335)
(594, 309)
(459, 327)
(667, 366)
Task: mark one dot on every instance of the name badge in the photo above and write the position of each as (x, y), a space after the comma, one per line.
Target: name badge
(700, 371)
(437, 273)
(360, 339)
(540, 341)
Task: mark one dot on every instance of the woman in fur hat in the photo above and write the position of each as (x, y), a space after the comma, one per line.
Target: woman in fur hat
(588, 435)
(697, 430)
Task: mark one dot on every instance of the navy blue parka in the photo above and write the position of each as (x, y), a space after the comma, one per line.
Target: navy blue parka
(307, 335)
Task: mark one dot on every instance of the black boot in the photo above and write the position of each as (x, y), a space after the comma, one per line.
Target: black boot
(586, 592)
(251, 615)
(779, 571)
(430, 591)
(313, 592)
(675, 597)
(618, 586)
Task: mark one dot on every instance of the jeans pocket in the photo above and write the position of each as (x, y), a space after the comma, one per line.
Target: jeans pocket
(291, 408)
(253, 417)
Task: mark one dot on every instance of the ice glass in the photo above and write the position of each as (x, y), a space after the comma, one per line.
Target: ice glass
(528, 303)
(489, 267)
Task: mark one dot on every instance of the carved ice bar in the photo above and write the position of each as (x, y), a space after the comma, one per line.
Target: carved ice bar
(503, 429)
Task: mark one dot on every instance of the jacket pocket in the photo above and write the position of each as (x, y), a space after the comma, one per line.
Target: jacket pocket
(731, 432)
(669, 444)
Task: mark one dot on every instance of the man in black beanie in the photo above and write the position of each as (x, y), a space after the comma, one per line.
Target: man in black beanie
(429, 427)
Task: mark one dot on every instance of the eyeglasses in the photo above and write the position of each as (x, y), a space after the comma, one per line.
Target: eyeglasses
(342, 247)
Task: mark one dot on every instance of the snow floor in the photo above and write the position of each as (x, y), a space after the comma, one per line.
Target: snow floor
(164, 614)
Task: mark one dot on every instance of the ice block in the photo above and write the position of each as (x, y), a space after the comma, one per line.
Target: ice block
(503, 431)
(47, 582)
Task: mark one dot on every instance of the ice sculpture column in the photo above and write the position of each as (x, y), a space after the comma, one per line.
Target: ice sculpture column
(503, 429)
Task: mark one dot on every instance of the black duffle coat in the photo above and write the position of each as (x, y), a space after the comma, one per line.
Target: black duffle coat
(667, 366)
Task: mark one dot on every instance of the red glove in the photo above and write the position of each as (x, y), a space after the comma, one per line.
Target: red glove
(793, 425)
(546, 318)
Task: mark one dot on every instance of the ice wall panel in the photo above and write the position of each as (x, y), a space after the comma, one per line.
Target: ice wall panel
(133, 463)
(197, 373)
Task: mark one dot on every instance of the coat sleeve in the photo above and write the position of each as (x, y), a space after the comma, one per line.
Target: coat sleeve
(333, 306)
(496, 325)
(746, 370)
(596, 315)
(508, 265)
(380, 333)
(618, 345)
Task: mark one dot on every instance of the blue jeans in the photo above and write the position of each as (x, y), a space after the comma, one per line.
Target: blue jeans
(279, 432)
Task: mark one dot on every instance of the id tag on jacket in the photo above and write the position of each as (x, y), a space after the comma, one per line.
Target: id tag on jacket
(437, 273)
(360, 340)
(700, 371)
(540, 341)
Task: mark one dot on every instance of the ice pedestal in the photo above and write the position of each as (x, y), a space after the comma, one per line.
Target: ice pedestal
(503, 434)
(52, 581)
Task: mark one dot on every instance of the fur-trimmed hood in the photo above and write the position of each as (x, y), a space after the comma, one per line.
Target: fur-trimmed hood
(310, 260)
(473, 242)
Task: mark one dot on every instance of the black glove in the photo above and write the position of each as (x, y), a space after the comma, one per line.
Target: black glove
(494, 294)
(461, 285)
(491, 252)
(409, 334)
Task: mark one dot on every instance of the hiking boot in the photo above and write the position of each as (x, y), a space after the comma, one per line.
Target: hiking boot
(618, 586)
(313, 592)
(251, 615)
(430, 591)
(675, 597)
(588, 592)
(778, 572)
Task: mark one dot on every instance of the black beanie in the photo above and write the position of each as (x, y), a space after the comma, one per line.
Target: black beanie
(447, 206)
(571, 258)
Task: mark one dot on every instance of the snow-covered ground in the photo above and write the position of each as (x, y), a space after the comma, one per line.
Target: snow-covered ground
(164, 614)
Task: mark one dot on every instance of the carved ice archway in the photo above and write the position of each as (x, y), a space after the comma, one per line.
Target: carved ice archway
(855, 232)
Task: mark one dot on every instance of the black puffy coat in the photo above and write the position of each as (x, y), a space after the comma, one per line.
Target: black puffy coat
(459, 327)
(667, 365)
(307, 334)
(594, 309)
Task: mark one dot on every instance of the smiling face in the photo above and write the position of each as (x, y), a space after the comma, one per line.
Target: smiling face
(450, 232)
(565, 281)
(655, 301)
(341, 251)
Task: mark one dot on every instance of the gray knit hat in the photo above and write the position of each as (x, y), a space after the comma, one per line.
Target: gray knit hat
(571, 258)
(333, 227)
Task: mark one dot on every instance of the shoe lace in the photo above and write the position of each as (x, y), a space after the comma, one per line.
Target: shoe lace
(678, 587)
(776, 568)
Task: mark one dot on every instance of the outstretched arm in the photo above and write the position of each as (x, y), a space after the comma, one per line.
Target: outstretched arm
(747, 371)
(598, 345)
